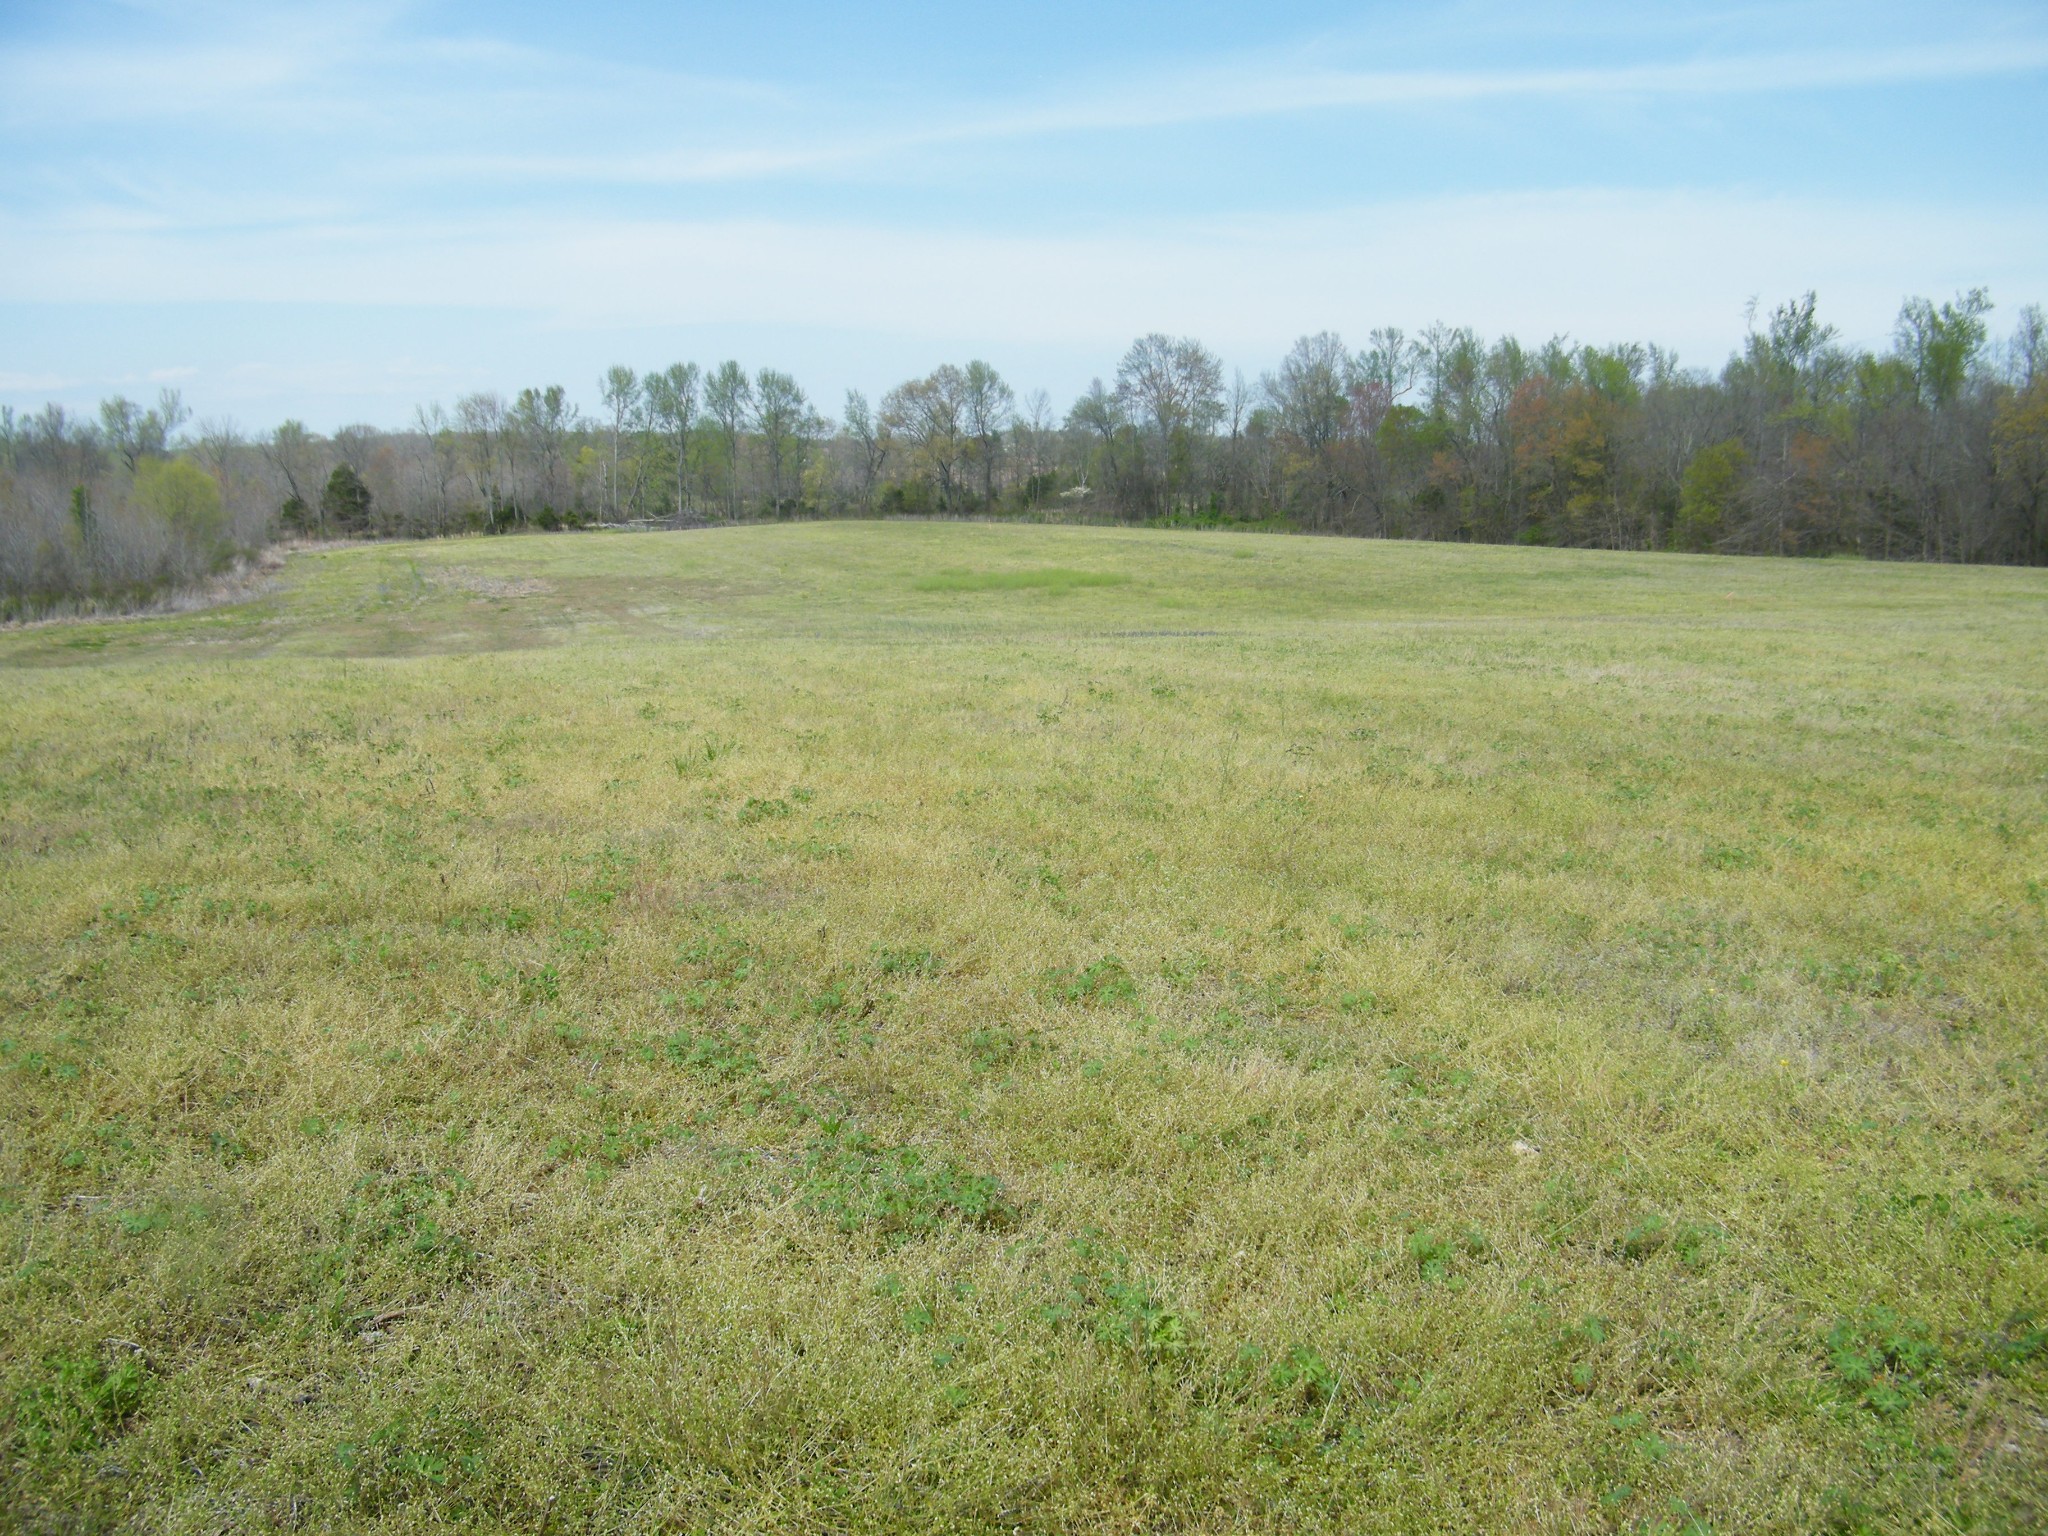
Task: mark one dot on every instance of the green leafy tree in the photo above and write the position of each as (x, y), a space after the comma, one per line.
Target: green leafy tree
(782, 415)
(540, 422)
(1708, 496)
(1941, 343)
(137, 434)
(672, 408)
(187, 501)
(729, 401)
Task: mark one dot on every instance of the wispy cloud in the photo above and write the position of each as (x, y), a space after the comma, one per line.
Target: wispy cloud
(205, 62)
(358, 78)
(1231, 91)
(1224, 92)
(311, 70)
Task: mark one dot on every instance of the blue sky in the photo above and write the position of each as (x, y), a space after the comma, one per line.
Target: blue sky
(343, 210)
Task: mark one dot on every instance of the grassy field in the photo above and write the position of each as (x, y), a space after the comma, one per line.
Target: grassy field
(995, 1029)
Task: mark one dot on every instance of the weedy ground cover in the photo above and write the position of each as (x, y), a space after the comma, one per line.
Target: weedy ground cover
(730, 1032)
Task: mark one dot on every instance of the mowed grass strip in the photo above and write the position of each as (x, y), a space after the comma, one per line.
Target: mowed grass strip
(713, 1032)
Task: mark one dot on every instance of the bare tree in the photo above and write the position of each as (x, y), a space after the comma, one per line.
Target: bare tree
(1237, 409)
(220, 441)
(928, 411)
(1100, 412)
(438, 457)
(1309, 392)
(2027, 352)
(480, 424)
(1032, 426)
(986, 405)
(293, 453)
(872, 441)
(354, 444)
(1176, 386)
(1388, 362)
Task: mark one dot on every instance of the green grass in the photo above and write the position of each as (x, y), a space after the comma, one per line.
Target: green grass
(1057, 580)
(729, 1032)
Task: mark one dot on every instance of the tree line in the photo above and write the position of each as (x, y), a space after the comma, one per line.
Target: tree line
(1934, 448)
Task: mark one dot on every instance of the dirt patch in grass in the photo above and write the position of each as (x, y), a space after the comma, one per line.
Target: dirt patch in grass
(461, 578)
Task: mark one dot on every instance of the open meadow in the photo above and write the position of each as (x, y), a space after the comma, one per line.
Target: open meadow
(983, 1028)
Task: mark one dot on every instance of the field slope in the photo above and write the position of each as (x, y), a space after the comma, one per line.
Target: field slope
(868, 1028)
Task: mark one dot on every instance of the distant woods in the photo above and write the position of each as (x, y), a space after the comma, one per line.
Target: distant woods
(114, 511)
(1934, 449)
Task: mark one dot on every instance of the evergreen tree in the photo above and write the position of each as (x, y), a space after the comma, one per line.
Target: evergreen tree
(345, 503)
